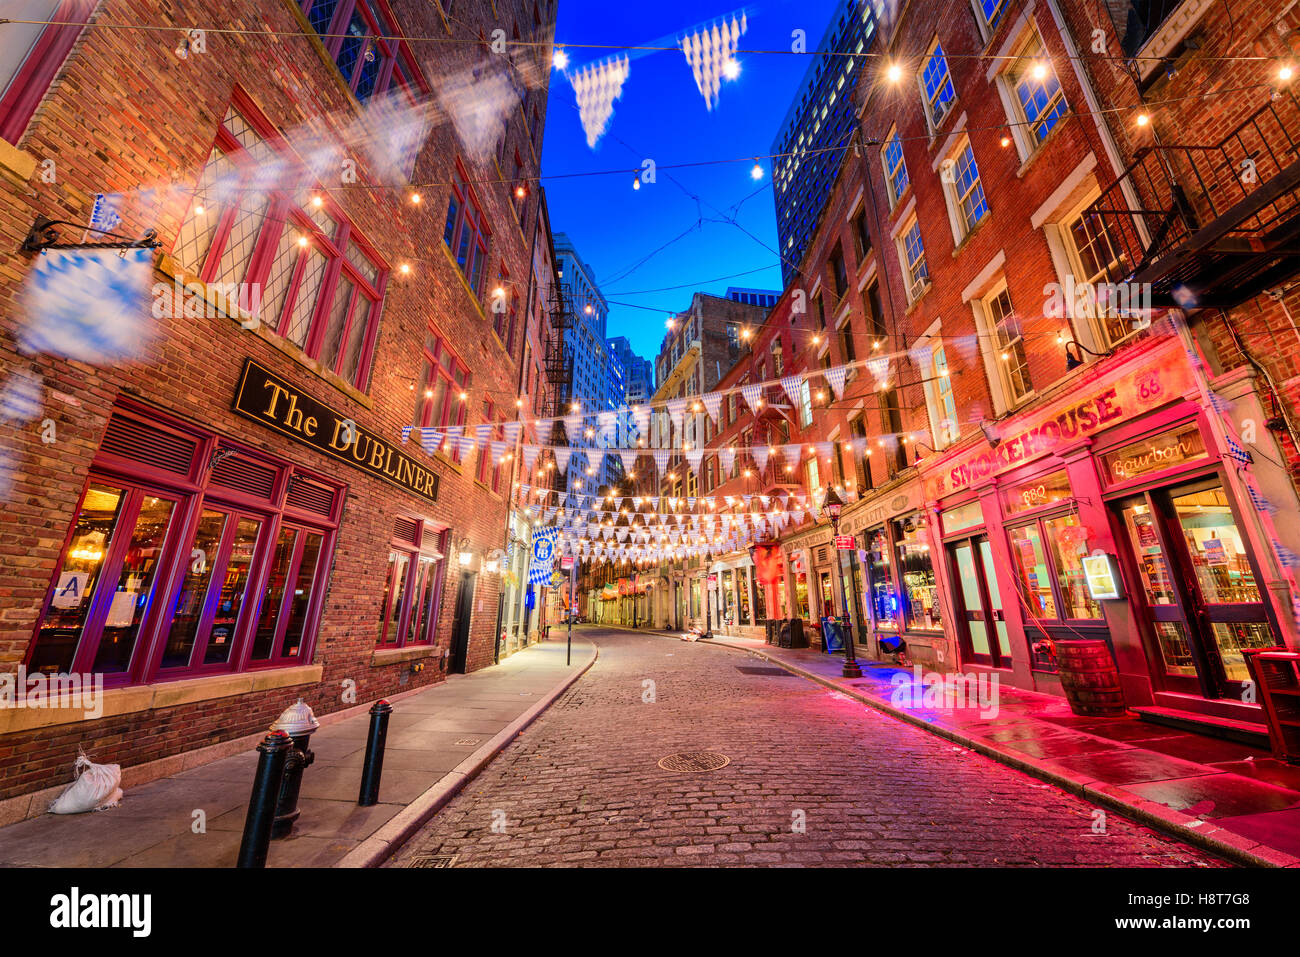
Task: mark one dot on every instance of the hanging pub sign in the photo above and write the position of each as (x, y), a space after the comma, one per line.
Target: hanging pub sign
(266, 398)
(844, 543)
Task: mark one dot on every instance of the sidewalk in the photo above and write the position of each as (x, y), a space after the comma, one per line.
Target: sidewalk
(1229, 798)
(438, 739)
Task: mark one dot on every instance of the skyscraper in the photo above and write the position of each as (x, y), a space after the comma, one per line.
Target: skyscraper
(638, 371)
(817, 127)
(597, 375)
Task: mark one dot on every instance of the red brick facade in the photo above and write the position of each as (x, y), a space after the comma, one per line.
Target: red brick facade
(126, 114)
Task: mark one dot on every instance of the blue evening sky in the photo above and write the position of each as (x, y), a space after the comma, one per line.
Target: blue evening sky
(662, 116)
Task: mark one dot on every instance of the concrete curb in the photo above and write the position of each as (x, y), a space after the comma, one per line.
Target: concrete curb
(1203, 834)
(381, 845)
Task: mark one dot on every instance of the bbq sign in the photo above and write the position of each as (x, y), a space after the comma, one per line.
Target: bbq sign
(266, 398)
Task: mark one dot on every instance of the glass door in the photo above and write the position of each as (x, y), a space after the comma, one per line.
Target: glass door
(984, 635)
(1199, 585)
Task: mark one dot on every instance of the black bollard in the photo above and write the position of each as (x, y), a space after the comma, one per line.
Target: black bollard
(273, 751)
(374, 766)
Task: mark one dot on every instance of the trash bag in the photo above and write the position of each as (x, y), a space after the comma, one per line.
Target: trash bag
(97, 786)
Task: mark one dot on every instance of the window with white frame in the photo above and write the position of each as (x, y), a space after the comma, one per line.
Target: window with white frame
(911, 252)
(1009, 343)
(805, 405)
(895, 168)
(991, 12)
(936, 84)
(1097, 262)
(1036, 98)
(939, 395)
(965, 192)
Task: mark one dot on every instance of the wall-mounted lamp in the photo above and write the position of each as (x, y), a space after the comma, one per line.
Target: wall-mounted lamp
(464, 553)
(492, 563)
(1074, 351)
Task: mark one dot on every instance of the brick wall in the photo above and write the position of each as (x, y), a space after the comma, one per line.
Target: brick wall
(126, 114)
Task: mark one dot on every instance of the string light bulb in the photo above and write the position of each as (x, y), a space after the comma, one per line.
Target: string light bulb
(1143, 119)
(560, 59)
(893, 73)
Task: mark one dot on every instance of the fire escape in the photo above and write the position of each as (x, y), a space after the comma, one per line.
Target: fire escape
(1222, 220)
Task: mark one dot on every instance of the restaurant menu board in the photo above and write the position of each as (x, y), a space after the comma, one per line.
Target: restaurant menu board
(1102, 576)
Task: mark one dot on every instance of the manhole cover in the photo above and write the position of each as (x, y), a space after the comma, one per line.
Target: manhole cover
(694, 761)
(770, 672)
(438, 860)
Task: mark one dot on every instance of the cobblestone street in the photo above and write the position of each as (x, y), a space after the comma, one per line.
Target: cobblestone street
(814, 779)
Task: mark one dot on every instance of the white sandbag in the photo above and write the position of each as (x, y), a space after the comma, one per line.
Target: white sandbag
(97, 786)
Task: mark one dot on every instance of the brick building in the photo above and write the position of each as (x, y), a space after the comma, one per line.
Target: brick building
(1042, 336)
(233, 519)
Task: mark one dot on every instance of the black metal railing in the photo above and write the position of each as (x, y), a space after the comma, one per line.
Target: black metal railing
(1230, 196)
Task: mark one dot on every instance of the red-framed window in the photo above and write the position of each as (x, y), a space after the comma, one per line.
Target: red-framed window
(362, 39)
(445, 378)
(413, 587)
(188, 556)
(292, 258)
(489, 466)
(467, 233)
(32, 55)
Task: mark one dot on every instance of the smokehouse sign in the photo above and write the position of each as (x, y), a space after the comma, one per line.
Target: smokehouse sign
(1161, 378)
(266, 398)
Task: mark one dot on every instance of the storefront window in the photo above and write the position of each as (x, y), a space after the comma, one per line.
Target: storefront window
(134, 584)
(1043, 490)
(962, 517)
(1218, 553)
(920, 590)
(1031, 568)
(1175, 447)
(728, 597)
(1068, 539)
(760, 602)
(828, 597)
(884, 603)
(1048, 562)
(74, 585)
(1153, 567)
(801, 595)
(742, 591)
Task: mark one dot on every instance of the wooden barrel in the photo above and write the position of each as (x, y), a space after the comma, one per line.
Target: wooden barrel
(1089, 677)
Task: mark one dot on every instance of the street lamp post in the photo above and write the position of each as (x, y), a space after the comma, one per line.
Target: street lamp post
(831, 507)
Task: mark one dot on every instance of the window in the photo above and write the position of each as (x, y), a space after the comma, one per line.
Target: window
(991, 11)
(814, 475)
(895, 169)
(861, 236)
(1039, 100)
(1010, 344)
(939, 394)
(413, 588)
(936, 84)
(733, 339)
(32, 54)
(805, 405)
(892, 415)
(847, 351)
(445, 379)
(1049, 569)
(778, 365)
(918, 590)
(297, 262)
(1097, 262)
(961, 179)
(164, 577)
(912, 254)
(861, 462)
(364, 45)
(466, 233)
(838, 271)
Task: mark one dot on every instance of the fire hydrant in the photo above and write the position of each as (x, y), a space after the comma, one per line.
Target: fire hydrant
(298, 722)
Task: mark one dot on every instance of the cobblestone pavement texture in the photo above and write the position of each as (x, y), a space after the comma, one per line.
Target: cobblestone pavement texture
(814, 779)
